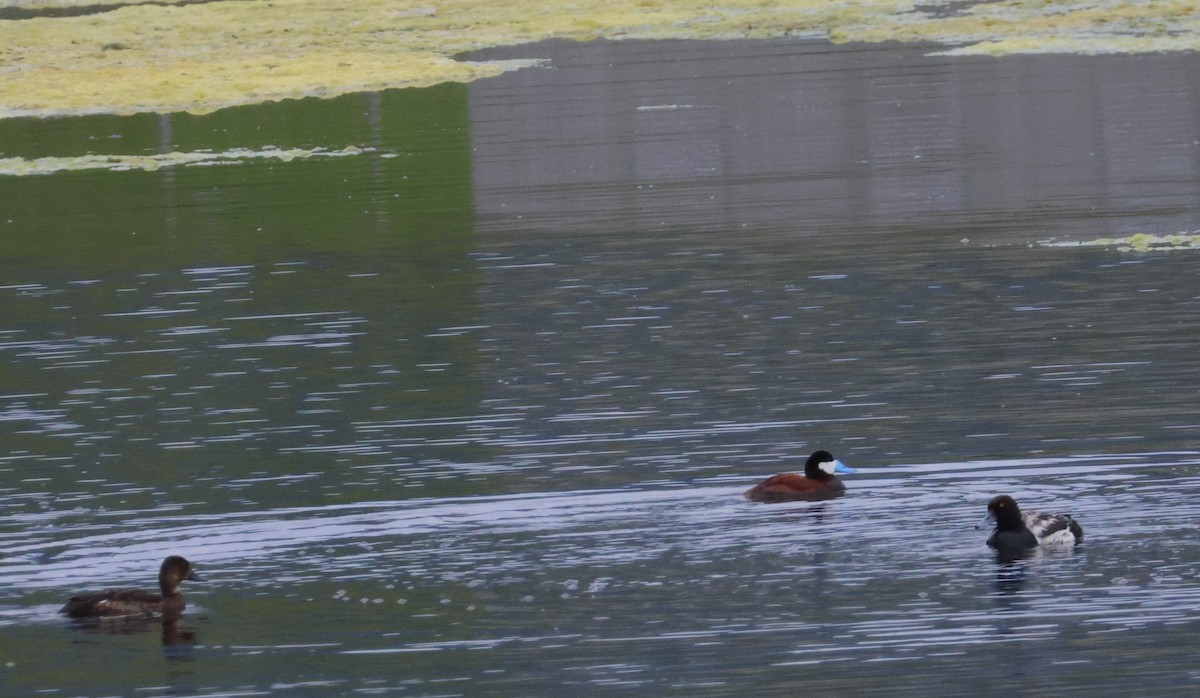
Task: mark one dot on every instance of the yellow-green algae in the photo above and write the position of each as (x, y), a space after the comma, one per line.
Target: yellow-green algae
(150, 163)
(205, 56)
(1139, 242)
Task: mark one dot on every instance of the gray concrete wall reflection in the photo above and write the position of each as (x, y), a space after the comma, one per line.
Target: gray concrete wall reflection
(805, 135)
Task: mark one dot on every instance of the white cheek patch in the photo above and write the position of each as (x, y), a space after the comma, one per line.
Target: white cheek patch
(828, 466)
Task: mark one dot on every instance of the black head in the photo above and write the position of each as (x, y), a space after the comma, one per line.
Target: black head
(1003, 510)
(812, 467)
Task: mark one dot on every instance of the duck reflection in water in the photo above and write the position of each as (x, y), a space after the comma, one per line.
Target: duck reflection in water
(1011, 565)
(173, 632)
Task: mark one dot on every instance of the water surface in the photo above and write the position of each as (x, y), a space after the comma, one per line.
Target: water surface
(470, 413)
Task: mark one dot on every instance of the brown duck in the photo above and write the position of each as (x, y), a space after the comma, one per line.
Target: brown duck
(136, 602)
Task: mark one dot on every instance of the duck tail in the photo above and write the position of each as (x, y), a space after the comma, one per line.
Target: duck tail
(1075, 529)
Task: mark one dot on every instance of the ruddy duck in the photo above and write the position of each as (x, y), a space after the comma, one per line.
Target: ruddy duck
(818, 482)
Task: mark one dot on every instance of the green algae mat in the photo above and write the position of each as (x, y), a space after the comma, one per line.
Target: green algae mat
(67, 57)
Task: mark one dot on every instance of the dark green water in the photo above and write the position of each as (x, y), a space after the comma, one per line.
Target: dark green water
(470, 413)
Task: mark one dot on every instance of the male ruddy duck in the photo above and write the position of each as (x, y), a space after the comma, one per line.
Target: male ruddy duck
(818, 482)
(129, 602)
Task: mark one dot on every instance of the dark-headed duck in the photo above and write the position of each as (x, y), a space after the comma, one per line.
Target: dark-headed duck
(818, 482)
(129, 602)
(1014, 530)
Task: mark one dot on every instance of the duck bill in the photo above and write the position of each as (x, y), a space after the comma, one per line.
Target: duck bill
(987, 520)
(194, 577)
(840, 467)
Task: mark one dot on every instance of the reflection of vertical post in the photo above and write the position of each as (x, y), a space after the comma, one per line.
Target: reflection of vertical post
(379, 193)
(164, 133)
(167, 174)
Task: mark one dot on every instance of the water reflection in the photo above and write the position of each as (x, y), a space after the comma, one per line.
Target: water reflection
(723, 138)
(1011, 569)
(177, 636)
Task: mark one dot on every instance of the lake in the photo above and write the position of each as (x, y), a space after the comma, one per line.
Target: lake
(468, 408)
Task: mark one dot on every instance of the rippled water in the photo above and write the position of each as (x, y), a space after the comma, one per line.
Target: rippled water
(471, 413)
